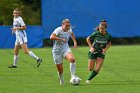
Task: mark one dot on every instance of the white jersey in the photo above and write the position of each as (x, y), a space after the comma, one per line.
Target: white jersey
(58, 44)
(18, 22)
(60, 49)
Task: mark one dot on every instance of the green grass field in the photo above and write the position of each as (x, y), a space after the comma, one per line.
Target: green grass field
(119, 74)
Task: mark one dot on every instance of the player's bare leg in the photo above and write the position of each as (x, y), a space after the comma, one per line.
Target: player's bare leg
(26, 50)
(16, 51)
(98, 66)
(99, 63)
(91, 63)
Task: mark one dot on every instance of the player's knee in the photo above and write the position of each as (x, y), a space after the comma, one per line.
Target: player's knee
(15, 52)
(90, 69)
(97, 70)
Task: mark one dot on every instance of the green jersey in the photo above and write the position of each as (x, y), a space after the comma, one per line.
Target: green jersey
(100, 41)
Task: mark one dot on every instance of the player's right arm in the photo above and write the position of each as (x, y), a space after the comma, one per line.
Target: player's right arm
(88, 39)
(55, 37)
(89, 44)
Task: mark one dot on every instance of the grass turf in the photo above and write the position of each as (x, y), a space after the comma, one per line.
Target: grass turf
(119, 74)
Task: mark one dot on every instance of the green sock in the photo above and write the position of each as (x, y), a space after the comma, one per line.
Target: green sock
(92, 75)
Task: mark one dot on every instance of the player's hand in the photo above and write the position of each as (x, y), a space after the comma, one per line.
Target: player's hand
(92, 49)
(104, 51)
(75, 45)
(13, 30)
(64, 40)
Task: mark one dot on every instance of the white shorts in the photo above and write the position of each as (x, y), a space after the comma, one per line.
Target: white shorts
(20, 40)
(59, 55)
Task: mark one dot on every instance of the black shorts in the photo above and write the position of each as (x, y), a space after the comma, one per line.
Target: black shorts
(95, 55)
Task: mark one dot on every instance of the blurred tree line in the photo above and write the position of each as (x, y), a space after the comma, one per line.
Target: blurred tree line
(30, 11)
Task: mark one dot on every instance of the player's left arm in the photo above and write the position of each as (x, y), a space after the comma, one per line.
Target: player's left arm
(19, 28)
(74, 39)
(22, 25)
(107, 45)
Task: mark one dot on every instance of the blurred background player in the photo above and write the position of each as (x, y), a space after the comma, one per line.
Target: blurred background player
(61, 48)
(19, 28)
(101, 42)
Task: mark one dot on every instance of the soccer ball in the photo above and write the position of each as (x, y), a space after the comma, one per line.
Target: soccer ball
(75, 81)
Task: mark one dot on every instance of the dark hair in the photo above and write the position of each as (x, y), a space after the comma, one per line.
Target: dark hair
(103, 21)
(103, 24)
(97, 28)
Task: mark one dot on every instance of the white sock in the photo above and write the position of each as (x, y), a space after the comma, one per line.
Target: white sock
(33, 55)
(72, 68)
(15, 60)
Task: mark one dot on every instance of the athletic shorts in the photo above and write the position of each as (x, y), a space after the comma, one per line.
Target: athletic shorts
(59, 55)
(20, 40)
(95, 55)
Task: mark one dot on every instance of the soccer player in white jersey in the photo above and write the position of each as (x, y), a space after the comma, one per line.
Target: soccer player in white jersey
(61, 48)
(18, 29)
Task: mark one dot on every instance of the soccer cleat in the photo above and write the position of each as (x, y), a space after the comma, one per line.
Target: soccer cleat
(87, 81)
(12, 66)
(38, 62)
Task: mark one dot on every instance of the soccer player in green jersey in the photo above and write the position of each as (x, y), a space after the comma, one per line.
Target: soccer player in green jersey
(101, 42)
